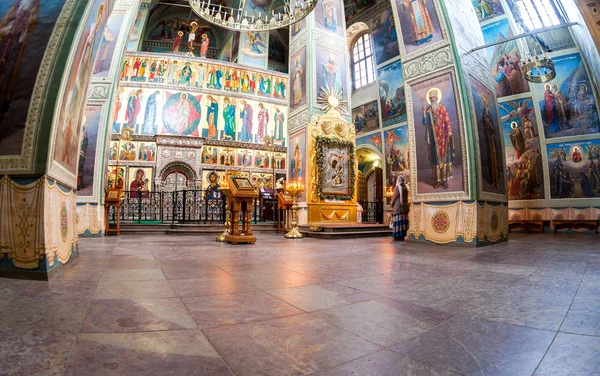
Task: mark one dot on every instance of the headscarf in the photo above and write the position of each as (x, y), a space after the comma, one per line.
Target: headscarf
(399, 184)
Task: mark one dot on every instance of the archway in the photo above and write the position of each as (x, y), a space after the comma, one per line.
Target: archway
(371, 185)
(177, 176)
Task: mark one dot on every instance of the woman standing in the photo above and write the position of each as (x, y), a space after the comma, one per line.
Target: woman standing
(400, 209)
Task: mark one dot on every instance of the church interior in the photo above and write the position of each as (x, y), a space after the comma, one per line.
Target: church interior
(274, 187)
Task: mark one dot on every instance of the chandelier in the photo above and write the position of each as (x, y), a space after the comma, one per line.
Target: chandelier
(248, 17)
(539, 70)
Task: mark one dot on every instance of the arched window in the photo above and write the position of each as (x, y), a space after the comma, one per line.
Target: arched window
(537, 14)
(362, 58)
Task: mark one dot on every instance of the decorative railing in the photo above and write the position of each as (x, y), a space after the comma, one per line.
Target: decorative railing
(187, 206)
(372, 212)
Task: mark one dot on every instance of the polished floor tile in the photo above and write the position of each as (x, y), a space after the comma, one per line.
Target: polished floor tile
(321, 296)
(572, 355)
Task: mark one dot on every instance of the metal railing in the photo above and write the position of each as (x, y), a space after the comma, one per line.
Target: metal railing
(187, 206)
(372, 211)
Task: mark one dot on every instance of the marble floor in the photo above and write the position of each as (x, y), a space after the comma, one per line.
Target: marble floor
(160, 305)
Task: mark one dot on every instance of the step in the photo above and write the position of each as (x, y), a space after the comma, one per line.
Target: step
(328, 228)
(346, 235)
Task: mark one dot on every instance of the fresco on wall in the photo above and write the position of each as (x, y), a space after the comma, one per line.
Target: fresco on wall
(396, 155)
(298, 80)
(567, 102)
(147, 152)
(71, 110)
(26, 28)
(385, 38)
(87, 151)
(328, 16)
(391, 94)
(136, 30)
(139, 182)
(353, 8)
(296, 159)
(437, 136)
(419, 23)
(108, 43)
(181, 114)
(253, 49)
(331, 71)
(505, 60)
(373, 140)
(574, 169)
(489, 135)
(486, 9)
(297, 28)
(524, 171)
(366, 117)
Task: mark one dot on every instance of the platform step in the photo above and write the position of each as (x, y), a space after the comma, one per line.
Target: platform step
(346, 234)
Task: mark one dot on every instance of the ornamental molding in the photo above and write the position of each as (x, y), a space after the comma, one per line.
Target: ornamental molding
(178, 141)
(297, 121)
(429, 63)
(98, 91)
(478, 68)
(330, 41)
(299, 42)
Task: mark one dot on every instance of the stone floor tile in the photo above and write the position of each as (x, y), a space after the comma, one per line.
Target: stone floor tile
(140, 315)
(179, 352)
(474, 346)
(57, 315)
(218, 310)
(34, 352)
(321, 296)
(115, 289)
(584, 314)
(278, 279)
(293, 345)
(134, 275)
(384, 321)
(572, 355)
(384, 363)
(195, 272)
(210, 285)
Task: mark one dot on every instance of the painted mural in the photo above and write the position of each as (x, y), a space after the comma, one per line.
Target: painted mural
(396, 155)
(486, 9)
(136, 31)
(437, 136)
(505, 60)
(87, 151)
(26, 28)
(366, 117)
(331, 71)
(328, 16)
(253, 49)
(297, 28)
(391, 94)
(419, 24)
(165, 112)
(385, 37)
(524, 168)
(298, 79)
(567, 104)
(296, 158)
(353, 8)
(71, 110)
(574, 169)
(373, 140)
(489, 136)
(108, 43)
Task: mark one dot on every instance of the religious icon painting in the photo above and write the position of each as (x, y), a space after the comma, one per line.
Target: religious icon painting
(396, 154)
(522, 149)
(391, 94)
(279, 122)
(199, 75)
(296, 159)
(280, 180)
(232, 80)
(487, 9)
(211, 120)
(330, 71)
(128, 110)
(227, 156)
(73, 95)
(298, 80)
(438, 138)
(139, 182)
(87, 152)
(567, 103)
(22, 42)
(279, 88)
(209, 155)
(297, 28)
(373, 140)
(245, 157)
(211, 184)
(574, 169)
(116, 177)
(262, 159)
(366, 117)
(147, 104)
(385, 38)
(489, 136)
(253, 119)
(264, 85)
(229, 118)
(128, 151)
(279, 161)
(108, 43)
(328, 16)
(248, 82)
(147, 152)
(114, 150)
(254, 49)
(133, 40)
(262, 180)
(420, 25)
(181, 114)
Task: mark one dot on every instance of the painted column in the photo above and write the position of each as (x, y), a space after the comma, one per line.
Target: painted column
(458, 186)
(318, 59)
(98, 119)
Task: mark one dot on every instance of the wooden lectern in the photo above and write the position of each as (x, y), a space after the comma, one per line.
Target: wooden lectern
(284, 204)
(241, 197)
(113, 198)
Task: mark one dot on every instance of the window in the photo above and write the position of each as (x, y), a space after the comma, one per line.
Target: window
(363, 61)
(537, 14)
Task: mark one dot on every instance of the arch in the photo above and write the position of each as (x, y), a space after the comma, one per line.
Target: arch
(354, 31)
(185, 168)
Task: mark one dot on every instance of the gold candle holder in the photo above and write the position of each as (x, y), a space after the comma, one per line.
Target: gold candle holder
(225, 190)
(294, 188)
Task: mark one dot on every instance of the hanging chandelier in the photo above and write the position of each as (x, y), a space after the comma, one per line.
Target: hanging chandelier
(539, 70)
(249, 17)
